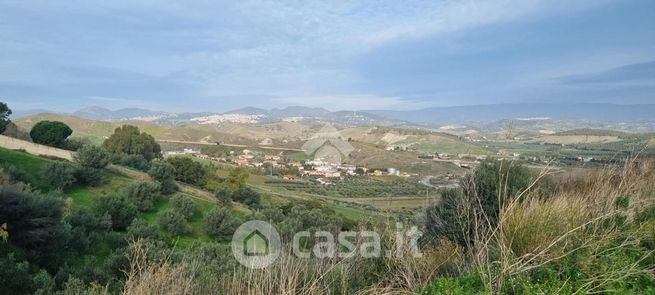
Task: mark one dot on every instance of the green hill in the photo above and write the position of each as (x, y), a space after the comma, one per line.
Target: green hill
(85, 196)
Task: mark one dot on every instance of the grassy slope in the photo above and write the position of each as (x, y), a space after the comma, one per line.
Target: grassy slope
(83, 196)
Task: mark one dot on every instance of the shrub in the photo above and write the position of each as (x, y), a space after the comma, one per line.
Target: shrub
(129, 140)
(52, 133)
(164, 173)
(141, 229)
(74, 144)
(224, 196)
(188, 171)
(89, 176)
(237, 178)
(493, 182)
(184, 205)
(91, 156)
(219, 223)
(121, 210)
(59, 174)
(175, 223)
(17, 174)
(143, 194)
(135, 161)
(483, 193)
(247, 196)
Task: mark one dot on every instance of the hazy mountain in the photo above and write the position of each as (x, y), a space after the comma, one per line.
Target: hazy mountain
(481, 114)
(98, 113)
(24, 113)
(488, 113)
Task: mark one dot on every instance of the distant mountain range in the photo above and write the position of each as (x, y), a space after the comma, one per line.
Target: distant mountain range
(495, 112)
(481, 114)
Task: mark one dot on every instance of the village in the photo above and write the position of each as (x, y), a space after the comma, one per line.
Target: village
(320, 170)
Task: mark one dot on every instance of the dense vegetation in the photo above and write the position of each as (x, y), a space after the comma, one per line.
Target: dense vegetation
(358, 187)
(76, 228)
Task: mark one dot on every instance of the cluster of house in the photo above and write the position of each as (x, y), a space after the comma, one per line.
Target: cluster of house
(319, 169)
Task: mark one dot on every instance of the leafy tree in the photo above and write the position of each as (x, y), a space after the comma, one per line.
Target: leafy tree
(184, 205)
(59, 174)
(52, 133)
(237, 178)
(220, 223)
(483, 194)
(34, 224)
(175, 223)
(188, 171)
(141, 229)
(164, 173)
(247, 196)
(15, 276)
(493, 182)
(135, 161)
(224, 196)
(119, 208)
(89, 176)
(92, 156)
(143, 194)
(5, 112)
(129, 140)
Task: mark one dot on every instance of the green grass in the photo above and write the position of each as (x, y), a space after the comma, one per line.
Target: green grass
(29, 163)
(84, 195)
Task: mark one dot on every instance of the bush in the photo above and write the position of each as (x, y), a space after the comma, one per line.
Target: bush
(135, 161)
(493, 182)
(141, 229)
(483, 193)
(184, 205)
(89, 176)
(247, 196)
(188, 171)
(219, 223)
(175, 223)
(52, 133)
(59, 174)
(143, 194)
(121, 210)
(224, 196)
(128, 140)
(74, 144)
(164, 173)
(91, 156)
(17, 174)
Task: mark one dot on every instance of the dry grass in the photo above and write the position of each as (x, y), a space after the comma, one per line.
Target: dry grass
(533, 231)
(146, 276)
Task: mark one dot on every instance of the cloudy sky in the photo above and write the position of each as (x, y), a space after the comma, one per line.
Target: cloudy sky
(220, 55)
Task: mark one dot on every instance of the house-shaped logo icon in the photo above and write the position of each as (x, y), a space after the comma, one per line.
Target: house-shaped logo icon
(256, 244)
(327, 145)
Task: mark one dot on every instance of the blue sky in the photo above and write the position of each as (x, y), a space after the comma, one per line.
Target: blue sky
(218, 55)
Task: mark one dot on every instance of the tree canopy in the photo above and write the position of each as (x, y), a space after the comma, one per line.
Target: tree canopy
(187, 170)
(129, 140)
(5, 112)
(92, 156)
(52, 133)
